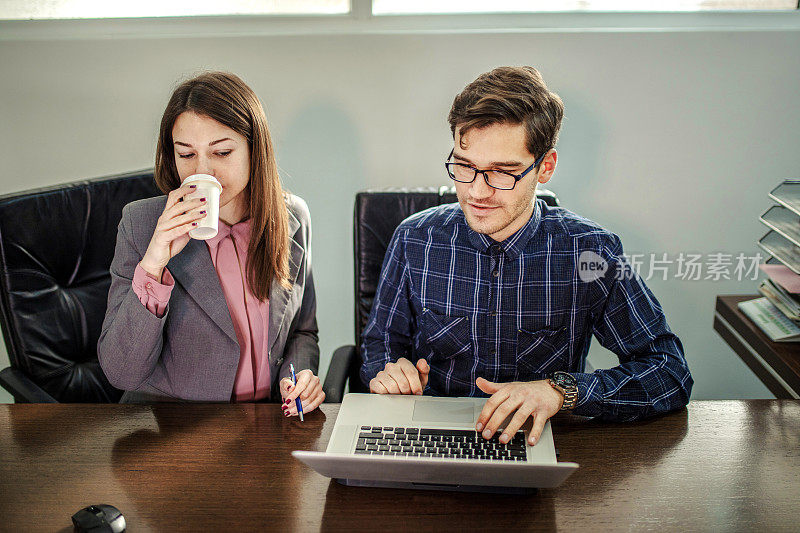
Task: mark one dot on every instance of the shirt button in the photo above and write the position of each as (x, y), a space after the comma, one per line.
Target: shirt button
(496, 273)
(149, 285)
(492, 313)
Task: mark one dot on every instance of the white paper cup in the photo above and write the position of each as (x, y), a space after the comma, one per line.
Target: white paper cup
(209, 188)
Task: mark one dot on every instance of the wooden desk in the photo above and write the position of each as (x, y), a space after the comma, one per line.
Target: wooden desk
(777, 364)
(719, 465)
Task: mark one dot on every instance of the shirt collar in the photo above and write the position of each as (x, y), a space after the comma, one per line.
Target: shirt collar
(513, 245)
(240, 231)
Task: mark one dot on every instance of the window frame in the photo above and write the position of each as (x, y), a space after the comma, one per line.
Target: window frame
(360, 21)
(574, 11)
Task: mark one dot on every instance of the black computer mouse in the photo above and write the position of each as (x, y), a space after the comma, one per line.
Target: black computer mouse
(100, 518)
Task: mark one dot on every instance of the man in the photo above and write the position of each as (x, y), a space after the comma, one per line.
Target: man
(500, 294)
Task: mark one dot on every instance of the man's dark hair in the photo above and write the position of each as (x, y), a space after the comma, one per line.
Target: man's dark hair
(513, 95)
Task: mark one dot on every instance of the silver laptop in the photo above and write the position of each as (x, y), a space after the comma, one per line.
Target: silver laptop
(431, 443)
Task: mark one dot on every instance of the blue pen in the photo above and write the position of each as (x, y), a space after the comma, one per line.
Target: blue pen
(297, 401)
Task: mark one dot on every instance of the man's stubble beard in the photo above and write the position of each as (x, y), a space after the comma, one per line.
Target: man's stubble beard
(482, 226)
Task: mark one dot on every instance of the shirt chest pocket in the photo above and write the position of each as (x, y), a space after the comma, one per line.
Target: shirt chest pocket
(446, 336)
(541, 350)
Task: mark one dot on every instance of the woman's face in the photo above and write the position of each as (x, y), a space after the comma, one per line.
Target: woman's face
(204, 146)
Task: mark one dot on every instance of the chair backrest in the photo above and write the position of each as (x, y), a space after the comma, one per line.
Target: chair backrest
(56, 246)
(377, 215)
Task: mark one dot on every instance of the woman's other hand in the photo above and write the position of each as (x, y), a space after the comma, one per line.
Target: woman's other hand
(308, 389)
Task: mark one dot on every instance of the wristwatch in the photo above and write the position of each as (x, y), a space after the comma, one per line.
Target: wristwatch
(567, 385)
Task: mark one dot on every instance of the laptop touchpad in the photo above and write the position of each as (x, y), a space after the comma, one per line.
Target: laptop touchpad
(439, 411)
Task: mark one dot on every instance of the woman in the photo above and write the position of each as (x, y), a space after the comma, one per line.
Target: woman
(221, 319)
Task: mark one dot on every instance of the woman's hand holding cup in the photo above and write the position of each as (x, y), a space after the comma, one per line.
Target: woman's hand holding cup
(172, 229)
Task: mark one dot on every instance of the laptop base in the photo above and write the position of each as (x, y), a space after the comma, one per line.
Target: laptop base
(436, 486)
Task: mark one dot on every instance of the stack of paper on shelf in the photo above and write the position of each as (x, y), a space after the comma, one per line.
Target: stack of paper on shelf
(778, 312)
(771, 321)
(782, 276)
(788, 304)
(782, 241)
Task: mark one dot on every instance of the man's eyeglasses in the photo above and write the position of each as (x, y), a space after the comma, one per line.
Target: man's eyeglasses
(497, 179)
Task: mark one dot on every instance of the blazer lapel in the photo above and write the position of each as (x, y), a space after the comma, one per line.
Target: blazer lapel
(193, 269)
(279, 296)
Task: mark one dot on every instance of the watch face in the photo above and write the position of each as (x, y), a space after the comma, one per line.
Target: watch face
(562, 379)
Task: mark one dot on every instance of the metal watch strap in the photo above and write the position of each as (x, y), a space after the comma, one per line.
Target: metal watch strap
(570, 399)
(570, 395)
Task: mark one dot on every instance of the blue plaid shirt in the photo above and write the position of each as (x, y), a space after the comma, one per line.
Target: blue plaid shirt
(521, 309)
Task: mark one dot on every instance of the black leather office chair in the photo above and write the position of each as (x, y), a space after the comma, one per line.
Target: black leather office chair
(56, 246)
(377, 215)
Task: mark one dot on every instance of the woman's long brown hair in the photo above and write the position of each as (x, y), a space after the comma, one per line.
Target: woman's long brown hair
(225, 98)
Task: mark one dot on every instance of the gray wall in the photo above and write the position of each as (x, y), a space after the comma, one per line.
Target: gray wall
(671, 139)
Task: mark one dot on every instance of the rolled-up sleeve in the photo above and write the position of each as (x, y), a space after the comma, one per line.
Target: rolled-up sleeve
(653, 376)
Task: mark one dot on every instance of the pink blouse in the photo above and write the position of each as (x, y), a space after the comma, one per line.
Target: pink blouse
(250, 316)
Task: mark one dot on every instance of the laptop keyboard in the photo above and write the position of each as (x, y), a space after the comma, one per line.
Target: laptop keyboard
(444, 443)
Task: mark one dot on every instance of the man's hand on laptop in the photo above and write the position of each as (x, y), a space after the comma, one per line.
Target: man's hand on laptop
(401, 377)
(524, 399)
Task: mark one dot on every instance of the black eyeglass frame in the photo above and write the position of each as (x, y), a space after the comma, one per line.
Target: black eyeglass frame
(516, 177)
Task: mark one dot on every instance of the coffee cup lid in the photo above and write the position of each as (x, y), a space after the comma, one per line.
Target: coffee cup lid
(202, 177)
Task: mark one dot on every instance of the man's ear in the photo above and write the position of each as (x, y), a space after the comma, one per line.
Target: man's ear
(547, 167)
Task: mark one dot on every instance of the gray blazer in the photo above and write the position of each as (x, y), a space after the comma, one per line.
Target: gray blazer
(191, 353)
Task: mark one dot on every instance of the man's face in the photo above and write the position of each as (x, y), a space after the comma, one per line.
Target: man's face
(497, 213)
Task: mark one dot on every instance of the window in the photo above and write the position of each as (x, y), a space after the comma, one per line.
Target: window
(407, 7)
(97, 9)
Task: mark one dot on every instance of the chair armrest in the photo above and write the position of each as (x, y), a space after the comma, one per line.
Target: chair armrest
(22, 388)
(338, 372)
